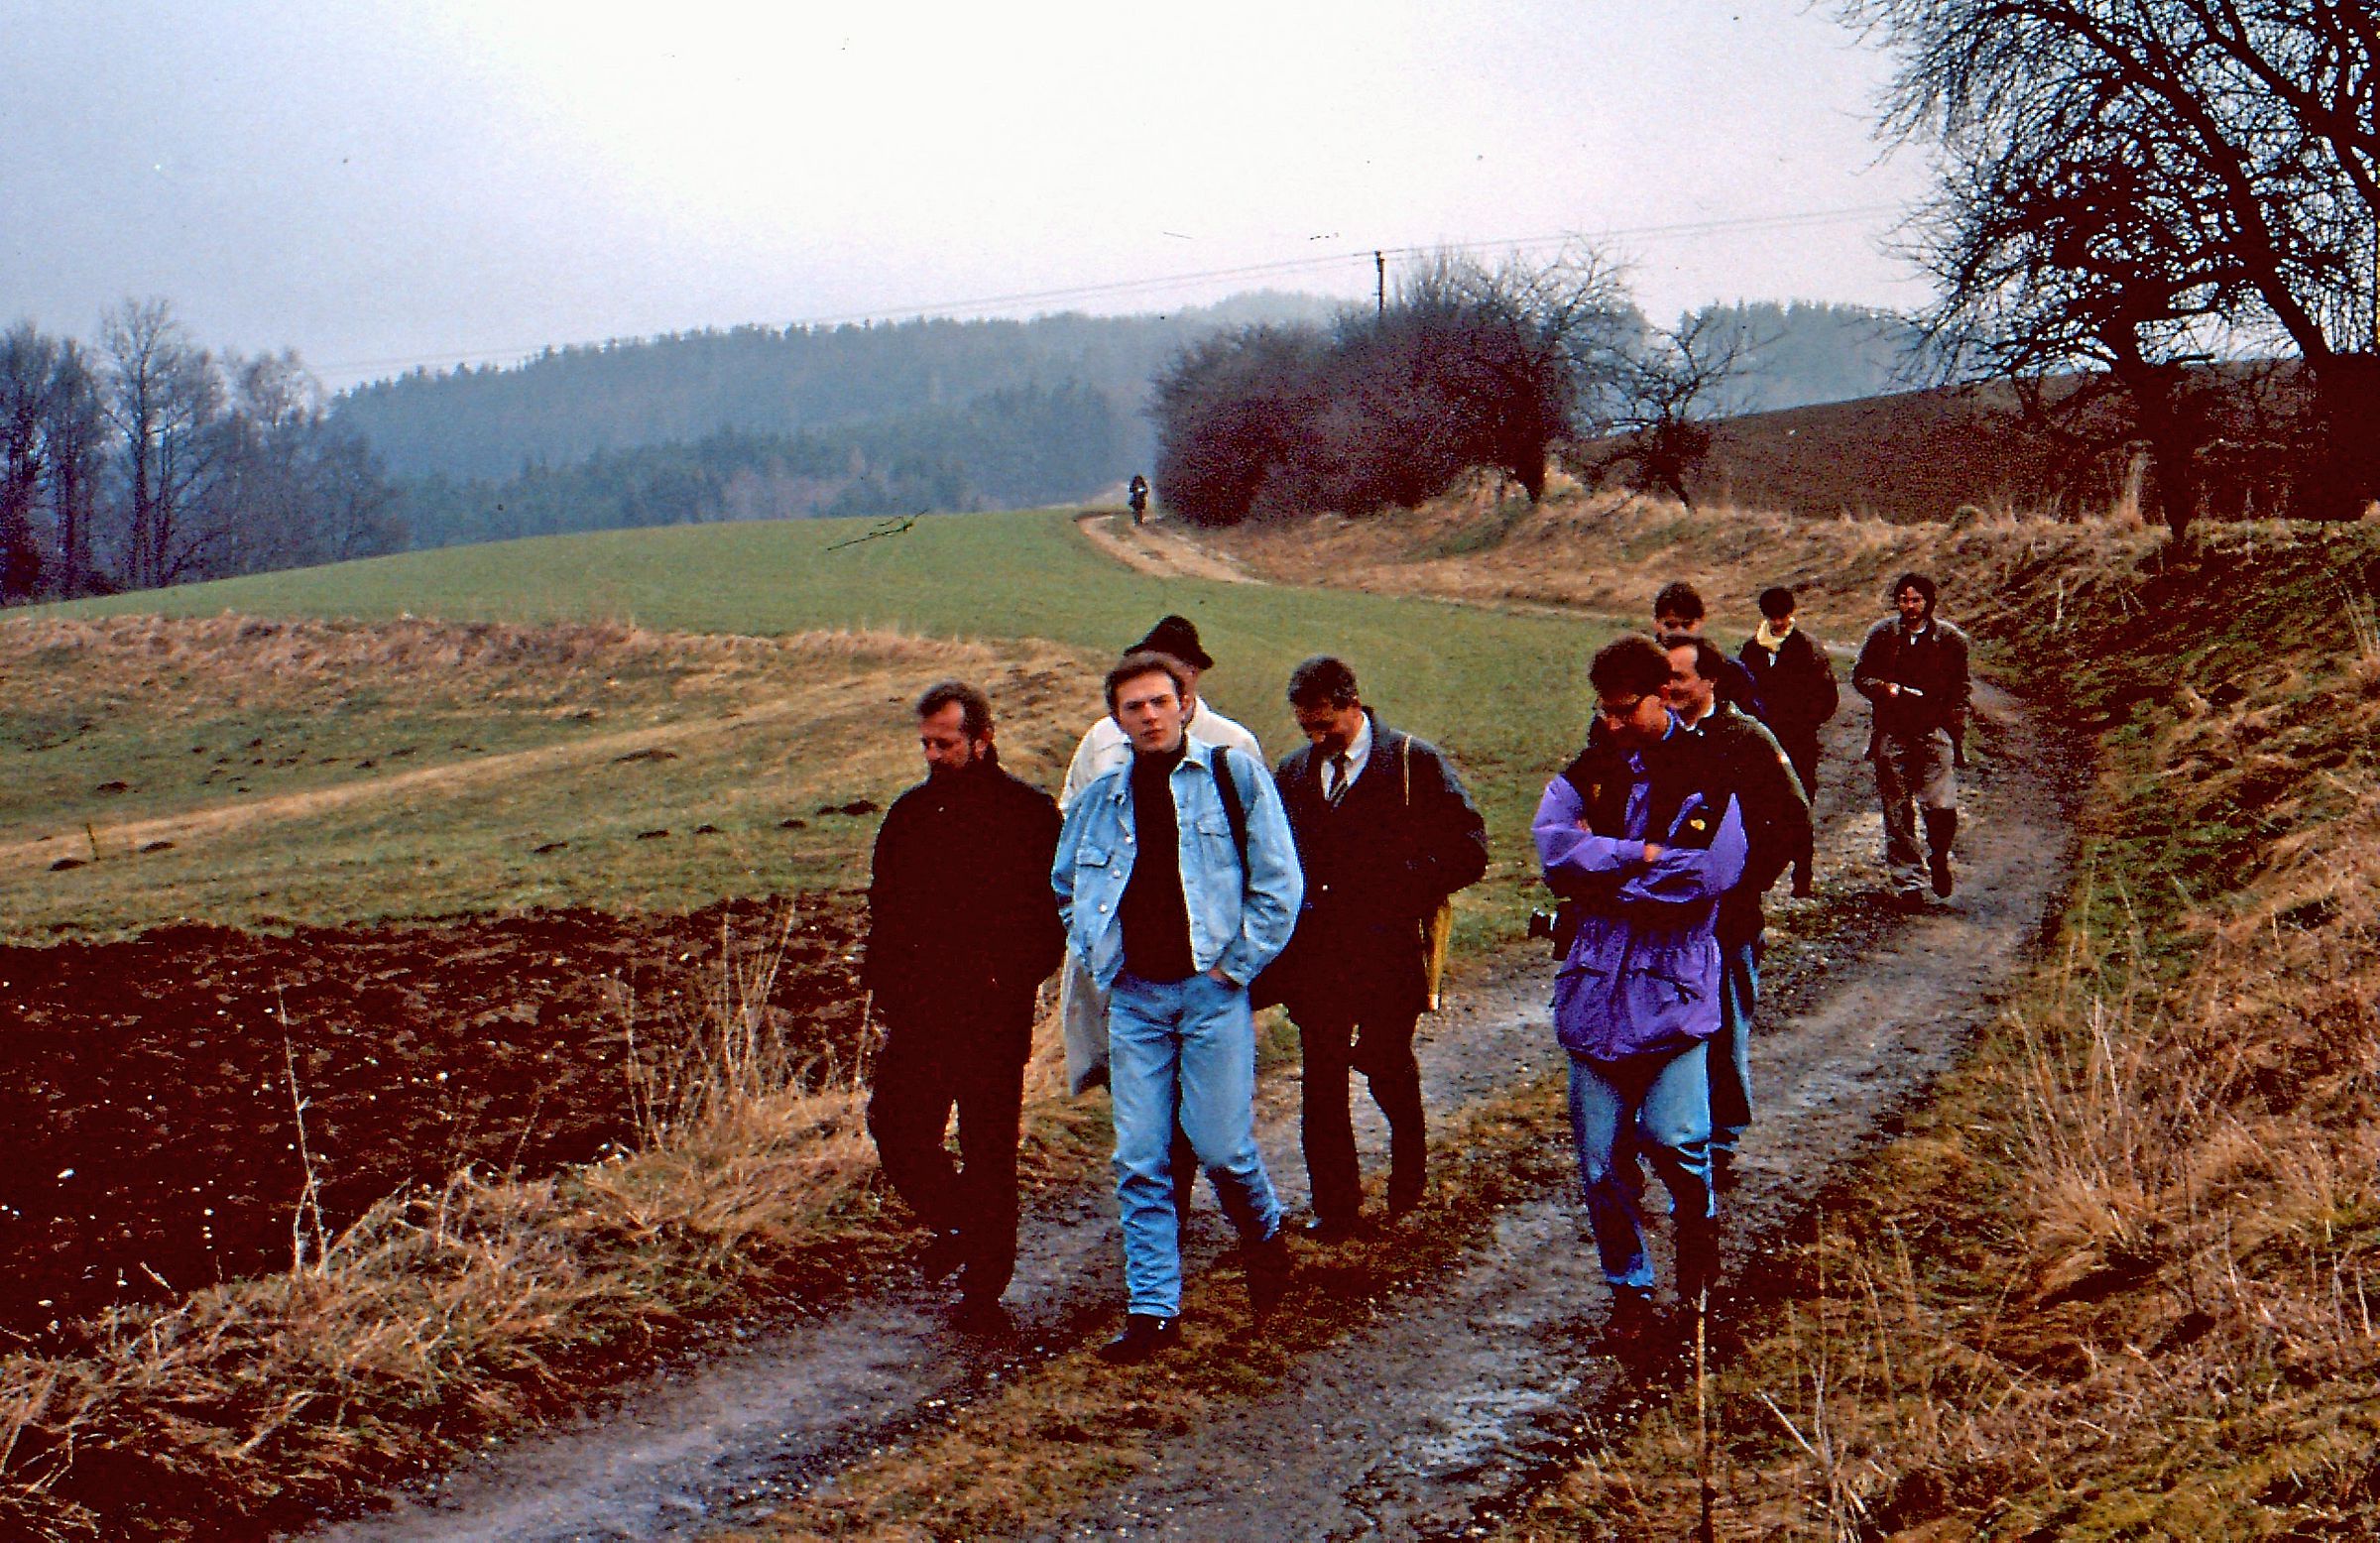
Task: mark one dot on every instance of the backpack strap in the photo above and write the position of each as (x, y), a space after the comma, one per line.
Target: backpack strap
(1234, 813)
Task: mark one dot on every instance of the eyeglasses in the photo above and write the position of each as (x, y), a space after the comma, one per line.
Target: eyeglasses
(1622, 712)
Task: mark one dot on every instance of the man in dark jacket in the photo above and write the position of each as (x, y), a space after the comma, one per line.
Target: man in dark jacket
(1912, 669)
(1678, 609)
(961, 930)
(1798, 695)
(1385, 832)
(1746, 761)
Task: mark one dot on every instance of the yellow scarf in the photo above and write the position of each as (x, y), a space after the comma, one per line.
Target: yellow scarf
(1769, 638)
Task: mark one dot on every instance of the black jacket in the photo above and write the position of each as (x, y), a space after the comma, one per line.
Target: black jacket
(962, 924)
(1935, 662)
(1747, 760)
(1405, 838)
(1796, 686)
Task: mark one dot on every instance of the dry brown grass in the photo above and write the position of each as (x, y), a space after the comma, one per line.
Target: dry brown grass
(1607, 553)
(2119, 1281)
(438, 1318)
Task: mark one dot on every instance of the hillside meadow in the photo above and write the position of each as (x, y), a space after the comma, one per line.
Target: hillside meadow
(760, 733)
(326, 890)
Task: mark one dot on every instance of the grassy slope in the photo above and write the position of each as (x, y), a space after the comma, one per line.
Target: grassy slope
(433, 1324)
(2117, 1282)
(1504, 693)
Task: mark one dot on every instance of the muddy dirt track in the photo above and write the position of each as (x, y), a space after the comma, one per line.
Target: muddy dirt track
(1466, 1390)
(146, 1085)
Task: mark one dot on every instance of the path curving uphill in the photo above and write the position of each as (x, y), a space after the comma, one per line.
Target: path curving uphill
(1460, 1394)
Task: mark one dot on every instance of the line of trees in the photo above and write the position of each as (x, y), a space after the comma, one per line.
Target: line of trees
(2137, 195)
(148, 460)
(1005, 448)
(1467, 366)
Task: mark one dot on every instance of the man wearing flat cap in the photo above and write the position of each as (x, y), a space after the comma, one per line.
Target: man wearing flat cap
(1082, 1005)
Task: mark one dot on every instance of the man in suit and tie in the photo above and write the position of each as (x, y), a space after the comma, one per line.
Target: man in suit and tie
(1385, 832)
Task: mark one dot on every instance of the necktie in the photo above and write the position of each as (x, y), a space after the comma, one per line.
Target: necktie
(1338, 787)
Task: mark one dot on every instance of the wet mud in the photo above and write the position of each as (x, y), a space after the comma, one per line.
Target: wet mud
(1465, 1392)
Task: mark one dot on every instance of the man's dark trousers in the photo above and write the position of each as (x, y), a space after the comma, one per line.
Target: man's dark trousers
(1383, 1049)
(918, 1081)
(1354, 977)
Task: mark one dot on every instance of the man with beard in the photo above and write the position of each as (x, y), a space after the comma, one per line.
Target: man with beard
(1912, 669)
(962, 930)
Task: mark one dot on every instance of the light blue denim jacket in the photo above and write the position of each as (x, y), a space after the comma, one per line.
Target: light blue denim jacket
(1237, 922)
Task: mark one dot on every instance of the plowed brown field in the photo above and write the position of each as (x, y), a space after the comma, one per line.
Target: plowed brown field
(147, 1085)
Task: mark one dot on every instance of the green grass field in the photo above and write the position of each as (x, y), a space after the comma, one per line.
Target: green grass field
(1504, 693)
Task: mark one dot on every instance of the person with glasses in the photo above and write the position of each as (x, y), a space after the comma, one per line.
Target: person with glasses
(1642, 835)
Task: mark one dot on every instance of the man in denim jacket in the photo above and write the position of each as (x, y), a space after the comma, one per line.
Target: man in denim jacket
(1174, 894)
(1640, 834)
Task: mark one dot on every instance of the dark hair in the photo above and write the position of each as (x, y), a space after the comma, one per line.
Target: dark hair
(1678, 598)
(1709, 660)
(1323, 682)
(1917, 582)
(1776, 602)
(1634, 663)
(1134, 665)
(975, 708)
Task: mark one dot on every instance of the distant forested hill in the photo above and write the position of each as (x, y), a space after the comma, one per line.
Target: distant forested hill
(1801, 353)
(767, 422)
(568, 404)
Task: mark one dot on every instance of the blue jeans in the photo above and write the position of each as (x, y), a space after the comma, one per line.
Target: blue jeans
(1731, 1046)
(1666, 1097)
(1188, 1047)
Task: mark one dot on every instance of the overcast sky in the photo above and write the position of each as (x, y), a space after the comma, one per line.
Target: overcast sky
(386, 182)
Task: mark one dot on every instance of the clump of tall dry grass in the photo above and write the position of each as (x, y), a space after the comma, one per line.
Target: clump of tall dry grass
(435, 1318)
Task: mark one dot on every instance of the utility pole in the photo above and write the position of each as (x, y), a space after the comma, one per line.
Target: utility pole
(1380, 268)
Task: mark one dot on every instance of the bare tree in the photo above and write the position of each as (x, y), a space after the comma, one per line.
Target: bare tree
(2145, 185)
(28, 361)
(74, 436)
(1659, 398)
(165, 398)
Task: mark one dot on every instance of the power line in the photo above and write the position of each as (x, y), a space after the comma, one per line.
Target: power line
(1284, 268)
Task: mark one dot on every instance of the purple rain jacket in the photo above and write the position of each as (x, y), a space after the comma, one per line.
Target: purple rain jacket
(1642, 976)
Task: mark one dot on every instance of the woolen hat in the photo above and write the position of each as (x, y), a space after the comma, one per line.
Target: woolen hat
(1176, 637)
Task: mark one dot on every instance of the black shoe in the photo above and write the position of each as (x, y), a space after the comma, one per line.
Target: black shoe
(1405, 1197)
(1698, 1259)
(981, 1315)
(1909, 902)
(1268, 1274)
(1633, 1322)
(942, 1256)
(1937, 863)
(1144, 1334)
(1333, 1229)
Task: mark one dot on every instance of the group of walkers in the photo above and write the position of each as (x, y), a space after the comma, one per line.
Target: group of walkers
(1183, 884)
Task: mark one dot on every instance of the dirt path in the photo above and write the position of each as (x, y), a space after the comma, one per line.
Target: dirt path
(1159, 549)
(1461, 1396)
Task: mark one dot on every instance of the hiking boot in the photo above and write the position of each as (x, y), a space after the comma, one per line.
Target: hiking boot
(1698, 1259)
(1144, 1334)
(1268, 1266)
(1633, 1322)
(942, 1256)
(1941, 831)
